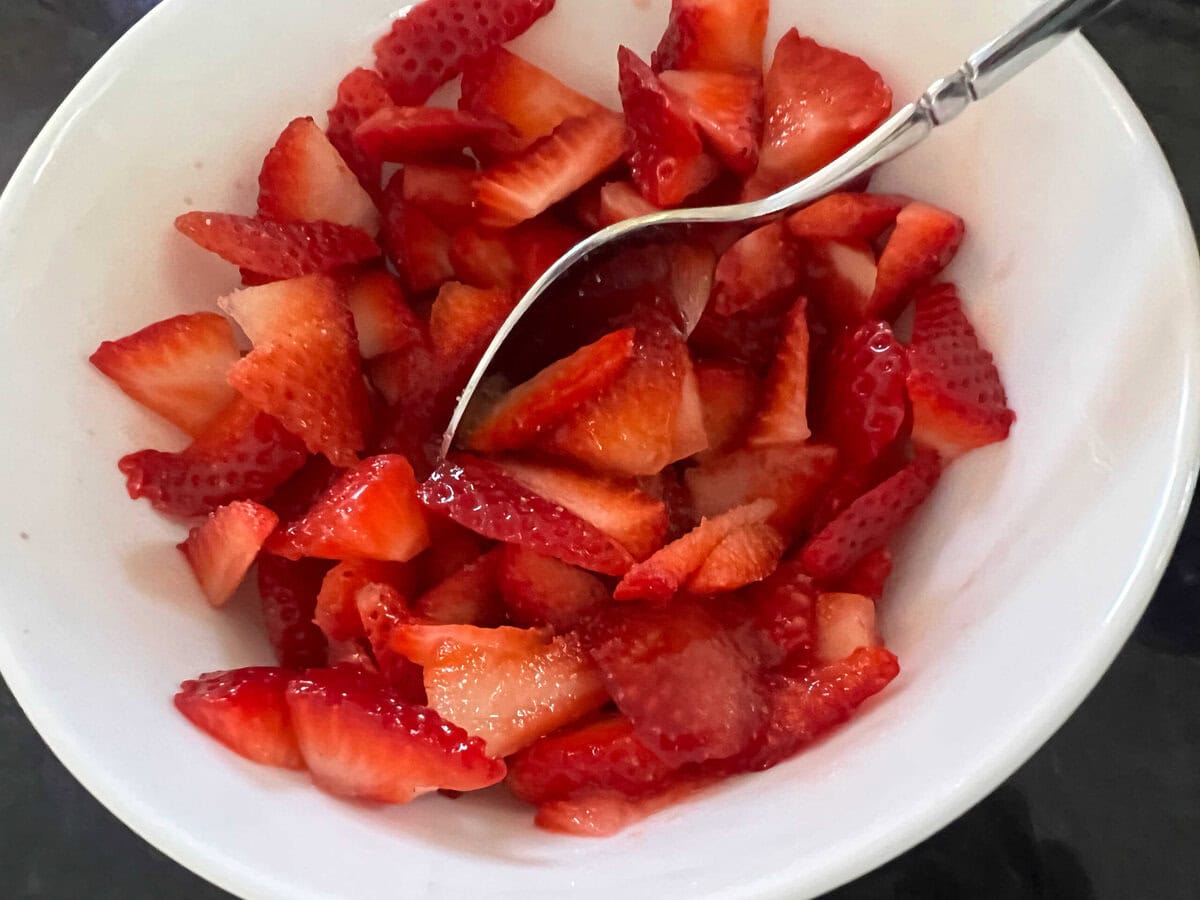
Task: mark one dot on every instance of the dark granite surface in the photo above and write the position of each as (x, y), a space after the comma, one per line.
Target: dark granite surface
(1108, 809)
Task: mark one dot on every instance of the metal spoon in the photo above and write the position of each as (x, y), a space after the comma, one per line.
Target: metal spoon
(985, 70)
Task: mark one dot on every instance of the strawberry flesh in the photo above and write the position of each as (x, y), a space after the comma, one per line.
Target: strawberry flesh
(222, 548)
(246, 710)
(540, 591)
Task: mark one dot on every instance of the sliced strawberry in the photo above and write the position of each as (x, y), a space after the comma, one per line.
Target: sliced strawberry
(500, 83)
(360, 94)
(531, 408)
(445, 192)
(758, 272)
(723, 35)
(289, 601)
(783, 418)
(337, 612)
(870, 521)
(470, 596)
(370, 512)
(746, 555)
(540, 591)
(222, 548)
(463, 320)
(865, 403)
(538, 243)
(246, 711)
(505, 685)
(413, 134)
(840, 276)
(847, 217)
(305, 179)
(782, 608)
(382, 610)
(550, 169)
(175, 367)
(305, 367)
(744, 339)
(278, 249)
(679, 675)
(603, 813)
(690, 436)
(957, 397)
(818, 102)
(451, 547)
(361, 740)
(923, 243)
(432, 41)
(417, 245)
(868, 576)
(295, 495)
(727, 108)
(845, 622)
(729, 395)
(663, 574)
(242, 455)
(482, 257)
(620, 200)
(418, 387)
(479, 496)
(382, 319)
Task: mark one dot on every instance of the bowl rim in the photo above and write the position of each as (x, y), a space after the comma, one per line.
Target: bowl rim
(978, 780)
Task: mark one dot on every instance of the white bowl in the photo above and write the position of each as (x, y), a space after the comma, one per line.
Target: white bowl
(1018, 583)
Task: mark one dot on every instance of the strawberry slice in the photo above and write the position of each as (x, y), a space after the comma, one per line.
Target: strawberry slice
(727, 108)
(690, 437)
(550, 170)
(957, 397)
(868, 576)
(479, 495)
(175, 367)
(923, 243)
(603, 813)
(382, 610)
(222, 548)
(434, 40)
(382, 319)
(246, 711)
(537, 244)
(337, 613)
(783, 417)
(529, 409)
(445, 192)
(729, 396)
(463, 320)
(470, 596)
(370, 512)
(415, 383)
(242, 455)
(540, 591)
(277, 249)
(360, 740)
(665, 153)
(746, 339)
(359, 95)
(505, 685)
(293, 497)
(818, 103)
(782, 609)
(870, 521)
(533, 101)
(305, 368)
(663, 574)
(840, 276)
(865, 403)
(847, 217)
(678, 674)
(482, 257)
(409, 134)
(451, 547)
(620, 200)
(305, 179)
(722, 35)
(289, 601)
(757, 272)
(845, 622)
(746, 555)
(417, 245)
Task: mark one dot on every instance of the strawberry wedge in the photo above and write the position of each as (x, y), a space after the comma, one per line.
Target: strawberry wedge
(408, 134)
(247, 711)
(222, 548)
(727, 108)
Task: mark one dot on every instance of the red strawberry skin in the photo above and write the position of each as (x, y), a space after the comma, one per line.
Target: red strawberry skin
(289, 602)
(923, 243)
(409, 134)
(846, 217)
(246, 710)
(222, 548)
(866, 403)
(782, 609)
(360, 94)
(382, 611)
(337, 613)
(727, 108)
(713, 34)
(470, 596)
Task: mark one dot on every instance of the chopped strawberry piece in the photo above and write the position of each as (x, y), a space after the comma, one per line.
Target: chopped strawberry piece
(418, 387)
(533, 101)
(745, 339)
(337, 612)
(305, 179)
(783, 417)
(242, 455)
(222, 548)
(663, 574)
(470, 596)
(305, 367)
(445, 192)
(479, 495)
(868, 576)
(505, 685)
(845, 622)
(871, 520)
(923, 243)
(746, 555)
(382, 610)
(723, 35)
(278, 249)
(620, 200)
(246, 711)
(359, 96)
(818, 102)
(451, 547)
(361, 740)
(693, 269)
(727, 108)
(463, 321)
(370, 512)
(434, 40)
(758, 272)
(176, 367)
(604, 813)
(847, 217)
(482, 257)
(679, 675)
(540, 591)
(418, 246)
(289, 601)
(782, 608)
(538, 243)
(294, 496)
(531, 408)
(382, 319)
(840, 277)
(690, 436)
(865, 403)
(551, 169)
(957, 397)
(729, 395)
(410, 134)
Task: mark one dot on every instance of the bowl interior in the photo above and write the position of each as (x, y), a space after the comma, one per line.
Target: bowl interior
(1015, 587)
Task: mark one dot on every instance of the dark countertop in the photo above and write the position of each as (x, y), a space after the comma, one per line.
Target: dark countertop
(1108, 809)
